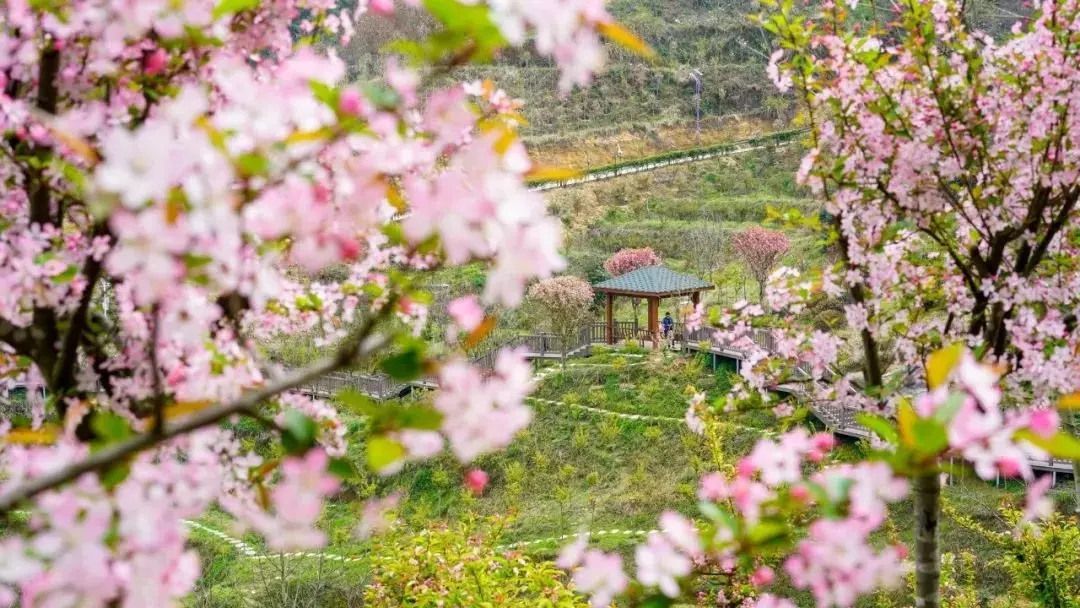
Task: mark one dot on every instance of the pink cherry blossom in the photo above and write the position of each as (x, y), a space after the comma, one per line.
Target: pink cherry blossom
(466, 312)
(601, 576)
(376, 516)
(660, 564)
(476, 480)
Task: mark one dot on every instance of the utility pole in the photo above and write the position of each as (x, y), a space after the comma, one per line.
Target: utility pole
(696, 75)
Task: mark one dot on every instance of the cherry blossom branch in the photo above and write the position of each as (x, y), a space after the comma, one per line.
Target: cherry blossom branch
(155, 369)
(63, 376)
(363, 345)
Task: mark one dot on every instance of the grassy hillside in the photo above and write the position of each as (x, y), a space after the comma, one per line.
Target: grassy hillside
(688, 214)
(582, 465)
(716, 37)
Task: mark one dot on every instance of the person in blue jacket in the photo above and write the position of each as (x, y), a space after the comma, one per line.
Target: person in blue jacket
(668, 324)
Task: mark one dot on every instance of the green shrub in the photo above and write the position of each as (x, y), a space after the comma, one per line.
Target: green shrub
(458, 566)
(1043, 562)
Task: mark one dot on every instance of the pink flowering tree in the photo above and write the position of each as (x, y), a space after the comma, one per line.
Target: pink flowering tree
(629, 260)
(566, 305)
(164, 164)
(948, 163)
(761, 249)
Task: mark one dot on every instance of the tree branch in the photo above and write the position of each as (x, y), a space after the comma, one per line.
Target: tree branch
(63, 376)
(159, 391)
(362, 346)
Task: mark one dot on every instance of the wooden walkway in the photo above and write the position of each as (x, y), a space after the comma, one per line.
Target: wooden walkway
(540, 346)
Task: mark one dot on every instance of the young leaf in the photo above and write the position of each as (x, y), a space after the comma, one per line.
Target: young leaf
(357, 403)
(1059, 445)
(66, 276)
(383, 452)
(406, 365)
(110, 427)
(421, 417)
(953, 403)
(940, 364)
(46, 435)
(1069, 402)
(880, 426)
(626, 39)
(930, 437)
(481, 331)
(299, 432)
(115, 475)
(183, 408)
(905, 419)
(343, 469)
(229, 7)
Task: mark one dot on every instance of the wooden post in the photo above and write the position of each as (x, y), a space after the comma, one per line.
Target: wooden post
(654, 321)
(609, 316)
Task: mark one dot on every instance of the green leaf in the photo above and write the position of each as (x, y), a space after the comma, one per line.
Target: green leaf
(930, 437)
(325, 93)
(229, 7)
(657, 601)
(66, 276)
(422, 418)
(252, 164)
(383, 452)
(767, 532)
(953, 403)
(880, 426)
(343, 469)
(298, 434)
(110, 427)
(115, 475)
(1058, 445)
(193, 261)
(406, 365)
(382, 97)
(940, 364)
(905, 420)
(357, 402)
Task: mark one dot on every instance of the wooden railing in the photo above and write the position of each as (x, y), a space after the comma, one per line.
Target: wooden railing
(377, 385)
(539, 345)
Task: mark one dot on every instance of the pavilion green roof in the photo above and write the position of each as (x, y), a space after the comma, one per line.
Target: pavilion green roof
(653, 281)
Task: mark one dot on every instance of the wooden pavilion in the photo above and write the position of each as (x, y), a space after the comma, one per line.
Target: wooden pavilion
(652, 283)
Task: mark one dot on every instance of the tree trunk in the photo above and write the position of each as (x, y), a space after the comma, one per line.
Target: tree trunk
(927, 561)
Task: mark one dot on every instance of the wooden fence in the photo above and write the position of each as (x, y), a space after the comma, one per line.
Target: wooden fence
(537, 346)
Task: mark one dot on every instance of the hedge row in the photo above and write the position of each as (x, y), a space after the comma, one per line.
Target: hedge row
(781, 137)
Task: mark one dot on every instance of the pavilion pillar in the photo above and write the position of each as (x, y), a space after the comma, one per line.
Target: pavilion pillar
(654, 321)
(609, 318)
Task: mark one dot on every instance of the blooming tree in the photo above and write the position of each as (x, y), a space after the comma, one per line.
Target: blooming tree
(566, 302)
(168, 160)
(629, 260)
(761, 249)
(948, 164)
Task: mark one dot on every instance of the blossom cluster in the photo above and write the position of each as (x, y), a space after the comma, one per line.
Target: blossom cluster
(836, 560)
(482, 414)
(176, 176)
(94, 545)
(562, 292)
(760, 248)
(627, 260)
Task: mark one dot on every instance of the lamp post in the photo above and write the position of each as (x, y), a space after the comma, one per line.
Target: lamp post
(696, 75)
